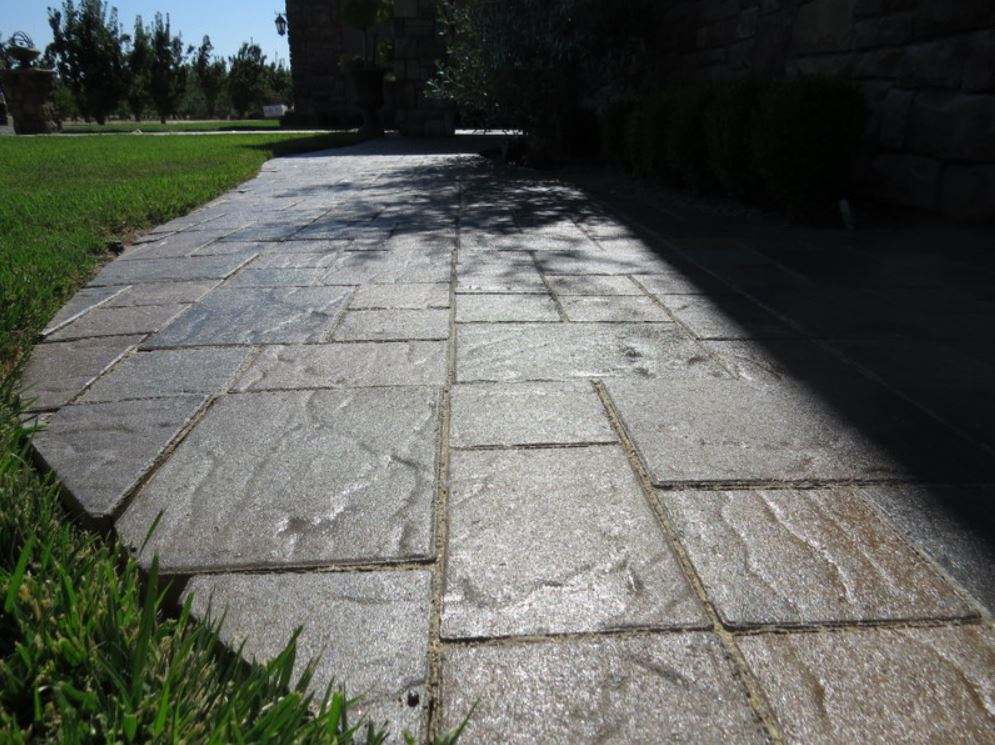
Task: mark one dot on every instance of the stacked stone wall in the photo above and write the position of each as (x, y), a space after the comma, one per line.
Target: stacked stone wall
(321, 91)
(926, 67)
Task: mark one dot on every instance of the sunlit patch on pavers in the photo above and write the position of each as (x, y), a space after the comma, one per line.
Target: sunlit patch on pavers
(296, 478)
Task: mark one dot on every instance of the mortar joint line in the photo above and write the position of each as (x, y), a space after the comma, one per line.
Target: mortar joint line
(754, 694)
(433, 722)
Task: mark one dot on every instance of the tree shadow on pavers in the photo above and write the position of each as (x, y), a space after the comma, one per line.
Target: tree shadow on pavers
(890, 326)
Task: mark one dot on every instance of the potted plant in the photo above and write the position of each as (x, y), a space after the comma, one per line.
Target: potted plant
(367, 73)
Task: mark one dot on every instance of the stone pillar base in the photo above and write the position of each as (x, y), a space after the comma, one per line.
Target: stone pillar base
(29, 100)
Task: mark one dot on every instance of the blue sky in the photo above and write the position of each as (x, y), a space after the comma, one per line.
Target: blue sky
(227, 22)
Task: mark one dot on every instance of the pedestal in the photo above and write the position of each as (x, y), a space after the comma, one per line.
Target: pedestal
(29, 100)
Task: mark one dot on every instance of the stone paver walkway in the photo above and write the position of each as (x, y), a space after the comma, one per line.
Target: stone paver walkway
(487, 445)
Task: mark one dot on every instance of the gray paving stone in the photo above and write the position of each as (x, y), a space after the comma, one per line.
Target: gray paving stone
(949, 524)
(296, 478)
(256, 315)
(808, 557)
(143, 319)
(162, 293)
(223, 248)
(595, 261)
(556, 541)
(736, 430)
(527, 414)
(283, 277)
(100, 451)
(509, 272)
(646, 690)
(174, 246)
(774, 360)
(327, 247)
(281, 259)
(360, 364)
(913, 686)
(726, 317)
(673, 281)
(58, 371)
(368, 631)
(378, 267)
(520, 352)
(409, 296)
(622, 309)
(168, 270)
(276, 231)
(395, 324)
(593, 285)
(168, 373)
(85, 300)
(506, 308)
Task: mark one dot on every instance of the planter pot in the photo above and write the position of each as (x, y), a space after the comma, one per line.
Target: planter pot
(29, 100)
(368, 85)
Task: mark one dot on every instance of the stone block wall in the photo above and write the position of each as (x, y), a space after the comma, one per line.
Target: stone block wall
(417, 48)
(321, 92)
(926, 67)
(316, 44)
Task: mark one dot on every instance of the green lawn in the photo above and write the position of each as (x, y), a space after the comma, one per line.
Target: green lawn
(87, 653)
(212, 125)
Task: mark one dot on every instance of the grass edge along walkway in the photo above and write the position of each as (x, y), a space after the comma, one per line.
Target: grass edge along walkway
(88, 651)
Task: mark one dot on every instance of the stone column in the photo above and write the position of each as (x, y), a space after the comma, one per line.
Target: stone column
(417, 46)
(29, 100)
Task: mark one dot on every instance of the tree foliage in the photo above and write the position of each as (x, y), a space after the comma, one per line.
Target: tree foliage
(139, 65)
(167, 81)
(88, 51)
(210, 73)
(247, 78)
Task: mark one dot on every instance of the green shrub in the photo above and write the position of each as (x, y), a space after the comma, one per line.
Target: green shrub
(805, 135)
(729, 133)
(687, 145)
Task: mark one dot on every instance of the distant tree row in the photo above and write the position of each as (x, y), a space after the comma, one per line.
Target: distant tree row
(104, 71)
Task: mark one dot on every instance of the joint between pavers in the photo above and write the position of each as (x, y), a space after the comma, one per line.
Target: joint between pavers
(338, 567)
(629, 632)
(833, 627)
(754, 694)
(433, 686)
(535, 446)
(771, 485)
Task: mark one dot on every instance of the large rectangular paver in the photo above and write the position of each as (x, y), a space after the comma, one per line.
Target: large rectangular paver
(554, 541)
(366, 631)
(411, 296)
(85, 300)
(58, 371)
(359, 364)
(170, 270)
(913, 686)
(832, 426)
(168, 372)
(611, 309)
(787, 556)
(299, 478)
(950, 524)
(256, 315)
(506, 308)
(726, 317)
(593, 285)
(105, 321)
(736, 430)
(368, 325)
(527, 414)
(162, 293)
(519, 352)
(100, 451)
(647, 690)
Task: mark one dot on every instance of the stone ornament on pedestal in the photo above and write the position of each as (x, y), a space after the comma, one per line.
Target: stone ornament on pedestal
(28, 89)
(29, 100)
